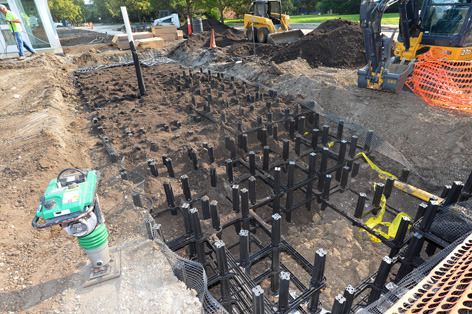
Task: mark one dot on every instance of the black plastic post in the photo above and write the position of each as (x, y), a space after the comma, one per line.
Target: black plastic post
(445, 191)
(245, 208)
(213, 176)
(341, 157)
(223, 271)
(316, 121)
(380, 279)
(455, 193)
(265, 158)
(291, 130)
(353, 146)
(420, 211)
(205, 207)
(229, 170)
(275, 262)
(263, 138)
(232, 149)
(257, 300)
(195, 160)
(355, 169)
(276, 190)
(252, 190)
(339, 304)
(245, 143)
(349, 296)
(311, 173)
(170, 168)
(153, 167)
(137, 66)
(404, 175)
(314, 138)
(215, 216)
(211, 156)
(188, 227)
(467, 190)
(289, 196)
(400, 236)
(186, 188)
(286, 147)
(298, 144)
(169, 194)
(325, 135)
(275, 129)
(301, 125)
(412, 251)
(323, 167)
(317, 277)
(326, 189)
(344, 177)
(388, 187)
(284, 291)
(244, 247)
(198, 234)
(235, 199)
(240, 141)
(379, 187)
(252, 163)
(429, 215)
(360, 205)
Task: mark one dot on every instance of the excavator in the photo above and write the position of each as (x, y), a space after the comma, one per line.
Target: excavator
(265, 23)
(445, 24)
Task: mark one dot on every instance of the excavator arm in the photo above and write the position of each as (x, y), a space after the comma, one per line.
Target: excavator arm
(384, 72)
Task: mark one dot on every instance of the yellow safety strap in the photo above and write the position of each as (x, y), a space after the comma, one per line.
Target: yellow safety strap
(377, 220)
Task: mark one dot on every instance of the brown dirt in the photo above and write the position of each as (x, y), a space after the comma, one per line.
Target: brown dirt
(208, 25)
(335, 43)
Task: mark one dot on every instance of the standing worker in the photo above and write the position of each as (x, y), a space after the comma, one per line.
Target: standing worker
(15, 27)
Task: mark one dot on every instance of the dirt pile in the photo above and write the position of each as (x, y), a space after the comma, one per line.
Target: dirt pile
(74, 37)
(208, 25)
(335, 43)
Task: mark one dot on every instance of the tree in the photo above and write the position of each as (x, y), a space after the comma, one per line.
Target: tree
(71, 10)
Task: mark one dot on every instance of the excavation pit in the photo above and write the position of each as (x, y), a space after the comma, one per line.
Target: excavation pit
(240, 172)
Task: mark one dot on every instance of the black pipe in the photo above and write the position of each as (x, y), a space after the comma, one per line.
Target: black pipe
(455, 193)
(169, 194)
(317, 277)
(353, 146)
(198, 234)
(412, 251)
(298, 144)
(400, 236)
(215, 216)
(349, 296)
(289, 196)
(235, 199)
(213, 176)
(153, 167)
(284, 290)
(252, 190)
(223, 271)
(339, 133)
(314, 138)
(244, 247)
(170, 168)
(137, 66)
(341, 157)
(186, 187)
(257, 300)
(339, 304)
(286, 147)
(344, 178)
(360, 205)
(252, 163)
(275, 262)
(205, 200)
(388, 187)
(276, 191)
(265, 158)
(380, 279)
(211, 156)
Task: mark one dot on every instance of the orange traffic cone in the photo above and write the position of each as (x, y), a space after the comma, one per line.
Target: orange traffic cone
(212, 40)
(91, 25)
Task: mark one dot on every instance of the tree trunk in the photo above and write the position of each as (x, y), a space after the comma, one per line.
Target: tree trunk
(222, 18)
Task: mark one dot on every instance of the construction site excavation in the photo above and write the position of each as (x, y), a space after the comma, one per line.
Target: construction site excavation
(246, 178)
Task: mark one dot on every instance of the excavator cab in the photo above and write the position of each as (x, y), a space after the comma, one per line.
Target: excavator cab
(440, 23)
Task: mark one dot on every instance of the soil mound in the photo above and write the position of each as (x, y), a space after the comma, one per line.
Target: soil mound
(335, 43)
(210, 24)
(74, 37)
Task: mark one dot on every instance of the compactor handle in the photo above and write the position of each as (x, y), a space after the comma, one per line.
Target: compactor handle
(36, 219)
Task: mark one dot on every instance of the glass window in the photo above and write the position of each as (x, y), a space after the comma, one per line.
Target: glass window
(259, 9)
(444, 19)
(32, 23)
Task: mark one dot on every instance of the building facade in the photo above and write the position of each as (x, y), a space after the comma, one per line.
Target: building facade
(38, 28)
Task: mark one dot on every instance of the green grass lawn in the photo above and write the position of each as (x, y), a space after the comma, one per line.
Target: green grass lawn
(388, 18)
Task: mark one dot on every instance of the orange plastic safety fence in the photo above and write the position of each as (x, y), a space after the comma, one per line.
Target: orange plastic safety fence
(441, 82)
(446, 290)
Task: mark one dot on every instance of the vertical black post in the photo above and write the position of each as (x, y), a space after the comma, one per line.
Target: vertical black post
(341, 157)
(169, 196)
(301, 125)
(188, 227)
(137, 66)
(298, 144)
(211, 155)
(388, 187)
(289, 197)
(380, 279)
(455, 193)
(286, 147)
(205, 207)
(170, 168)
(349, 296)
(291, 130)
(224, 275)
(232, 149)
(263, 138)
(338, 305)
(276, 201)
(412, 251)
(229, 170)
(197, 231)
(420, 211)
(404, 175)
(323, 167)
(284, 291)
(314, 138)
(186, 188)
(195, 160)
(235, 198)
(245, 143)
(324, 135)
(275, 129)
(344, 178)
(252, 190)
(353, 146)
(213, 176)
(400, 236)
(311, 173)
(215, 216)
(257, 300)
(245, 208)
(429, 215)
(252, 163)
(244, 247)
(317, 278)
(265, 158)
(275, 263)
(316, 122)
(326, 188)
(153, 167)
(379, 187)
(467, 190)
(360, 205)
